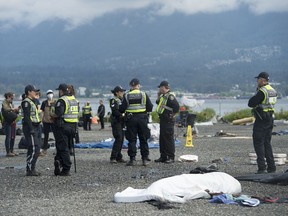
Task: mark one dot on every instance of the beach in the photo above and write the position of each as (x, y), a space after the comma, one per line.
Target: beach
(90, 190)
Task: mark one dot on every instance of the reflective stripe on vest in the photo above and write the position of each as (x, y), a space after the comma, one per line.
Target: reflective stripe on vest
(118, 100)
(86, 109)
(34, 115)
(270, 98)
(136, 101)
(71, 111)
(162, 103)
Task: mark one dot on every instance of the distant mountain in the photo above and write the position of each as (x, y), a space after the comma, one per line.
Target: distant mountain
(201, 53)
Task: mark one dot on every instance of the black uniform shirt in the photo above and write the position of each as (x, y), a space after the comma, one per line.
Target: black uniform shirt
(60, 107)
(114, 105)
(101, 110)
(256, 99)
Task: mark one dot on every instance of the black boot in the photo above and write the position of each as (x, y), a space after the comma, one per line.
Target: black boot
(57, 167)
(32, 173)
(131, 162)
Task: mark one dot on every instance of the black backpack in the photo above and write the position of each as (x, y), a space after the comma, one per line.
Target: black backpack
(9, 116)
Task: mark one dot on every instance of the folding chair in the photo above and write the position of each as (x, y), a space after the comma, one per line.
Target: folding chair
(186, 119)
(181, 124)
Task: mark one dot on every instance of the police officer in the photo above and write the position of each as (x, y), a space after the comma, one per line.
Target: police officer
(31, 129)
(87, 116)
(137, 104)
(167, 107)
(263, 109)
(117, 124)
(66, 112)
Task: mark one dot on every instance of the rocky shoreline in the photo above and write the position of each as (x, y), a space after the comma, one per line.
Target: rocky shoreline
(90, 191)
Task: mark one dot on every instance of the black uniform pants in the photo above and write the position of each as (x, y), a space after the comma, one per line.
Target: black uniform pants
(262, 133)
(33, 142)
(47, 128)
(101, 119)
(137, 124)
(166, 140)
(87, 121)
(63, 136)
(118, 134)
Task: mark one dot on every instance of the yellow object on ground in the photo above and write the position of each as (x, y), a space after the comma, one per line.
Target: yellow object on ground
(189, 137)
(243, 121)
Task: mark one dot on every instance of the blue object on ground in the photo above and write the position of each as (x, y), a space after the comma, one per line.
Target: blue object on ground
(109, 143)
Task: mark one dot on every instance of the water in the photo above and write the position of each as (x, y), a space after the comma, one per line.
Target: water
(221, 106)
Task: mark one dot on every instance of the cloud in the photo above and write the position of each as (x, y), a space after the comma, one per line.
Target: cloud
(79, 12)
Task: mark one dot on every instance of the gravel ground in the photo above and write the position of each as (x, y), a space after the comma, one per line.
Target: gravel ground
(90, 191)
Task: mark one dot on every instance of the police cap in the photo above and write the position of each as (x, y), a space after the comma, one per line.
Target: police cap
(263, 75)
(134, 82)
(31, 88)
(62, 87)
(118, 89)
(164, 83)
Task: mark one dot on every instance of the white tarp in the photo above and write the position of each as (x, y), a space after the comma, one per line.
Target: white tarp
(154, 131)
(181, 188)
(191, 102)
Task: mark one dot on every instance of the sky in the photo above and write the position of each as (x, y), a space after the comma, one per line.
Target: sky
(75, 13)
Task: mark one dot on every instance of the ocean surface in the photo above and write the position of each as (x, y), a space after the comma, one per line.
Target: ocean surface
(221, 106)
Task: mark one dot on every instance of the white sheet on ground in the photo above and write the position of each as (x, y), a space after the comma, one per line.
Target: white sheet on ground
(181, 188)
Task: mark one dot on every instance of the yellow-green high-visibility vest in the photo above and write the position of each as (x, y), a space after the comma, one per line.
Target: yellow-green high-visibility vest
(270, 98)
(136, 101)
(71, 111)
(34, 115)
(162, 103)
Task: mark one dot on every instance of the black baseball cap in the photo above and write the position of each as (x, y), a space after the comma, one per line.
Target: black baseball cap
(118, 89)
(263, 75)
(134, 82)
(62, 87)
(31, 88)
(164, 83)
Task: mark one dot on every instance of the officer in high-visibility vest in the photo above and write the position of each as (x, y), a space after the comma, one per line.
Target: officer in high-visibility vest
(31, 129)
(137, 104)
(117, 124)
(87, 116)
(167, 107)
(263, 109)
(66, 111)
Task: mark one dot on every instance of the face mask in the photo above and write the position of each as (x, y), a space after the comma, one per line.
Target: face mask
(50, 96)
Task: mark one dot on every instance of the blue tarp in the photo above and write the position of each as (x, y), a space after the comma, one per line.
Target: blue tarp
(109, 143)
(282, 132)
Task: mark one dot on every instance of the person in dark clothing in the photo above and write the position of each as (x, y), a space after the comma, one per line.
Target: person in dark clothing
(101, 114)
(31, 129)
(137, 104)
(71, 91)
(263, 109)
(47, 107)
(167, 108)
(117, 124)
(66, 119)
